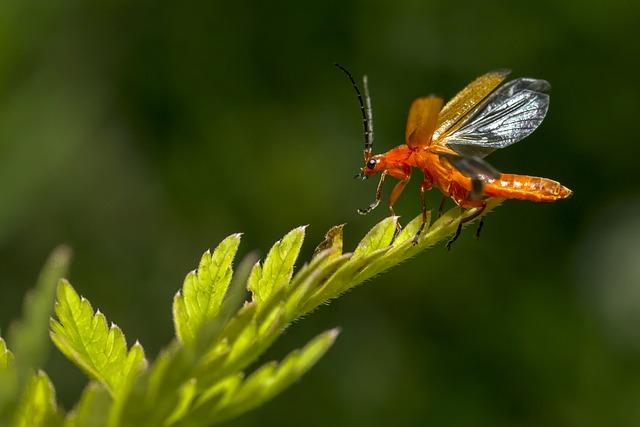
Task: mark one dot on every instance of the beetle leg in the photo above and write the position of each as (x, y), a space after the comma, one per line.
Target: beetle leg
(395, 194)
(455, 236)
(471, 217)
(375, 203)
(479, 229)
(441, 207)
(426, 185)
(476, 214)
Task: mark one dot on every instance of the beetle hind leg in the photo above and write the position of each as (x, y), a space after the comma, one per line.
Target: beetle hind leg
(479, 229)
(477, 208)
(464, 220)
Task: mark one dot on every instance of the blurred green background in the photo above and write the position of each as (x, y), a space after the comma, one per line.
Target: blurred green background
(142, 133)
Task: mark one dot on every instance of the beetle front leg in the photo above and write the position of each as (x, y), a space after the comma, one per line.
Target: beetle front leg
(376, 202)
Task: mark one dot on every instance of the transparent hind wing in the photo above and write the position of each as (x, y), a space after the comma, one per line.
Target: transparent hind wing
(472, 167)
(475, 168)
(460, 106)
(511, 113)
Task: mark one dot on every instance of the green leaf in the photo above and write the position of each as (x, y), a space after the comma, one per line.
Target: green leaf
(38, 406)
(199, 379)
(220, 393)
(187, 394)
(8, 384)
(277, 269)
(379, 237)
(97, 349)
(29, 337)
(310, 277)
(164, 391)
(6, 357)
(204, 289)
(409, 231)
(378, 251)
(231, 397)
(93, 408)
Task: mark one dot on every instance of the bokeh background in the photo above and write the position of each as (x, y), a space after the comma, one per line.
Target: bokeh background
(143, 132)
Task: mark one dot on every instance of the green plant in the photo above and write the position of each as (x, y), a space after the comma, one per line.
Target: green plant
(199, 379)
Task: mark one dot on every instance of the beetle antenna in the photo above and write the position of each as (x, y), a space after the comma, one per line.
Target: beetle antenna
(365, 109)
(368, 133)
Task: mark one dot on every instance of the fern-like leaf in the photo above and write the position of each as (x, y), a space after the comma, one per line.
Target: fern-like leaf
(377, 253)
(379, 237)
(199, 379)
(204, 289)
(84, 337)
(277, 269)
(235, 396)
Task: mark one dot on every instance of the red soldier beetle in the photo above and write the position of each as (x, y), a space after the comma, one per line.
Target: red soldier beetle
(448, 143)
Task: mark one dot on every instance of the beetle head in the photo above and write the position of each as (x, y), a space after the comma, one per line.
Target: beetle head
(372, 165)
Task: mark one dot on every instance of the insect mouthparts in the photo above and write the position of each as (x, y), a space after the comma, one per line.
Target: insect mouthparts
(360, 175)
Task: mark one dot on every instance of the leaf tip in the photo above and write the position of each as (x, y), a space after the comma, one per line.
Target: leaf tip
(302, 229)
(333, 333)
(63, 285)
(61, 255)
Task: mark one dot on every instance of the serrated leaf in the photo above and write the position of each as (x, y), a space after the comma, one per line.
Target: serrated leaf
(134, 364)
(342, 280)
(237, 292)
(379, 237)
(38, 407)
(309, 279)
(378, 251)
(161, 390)
(28, 337)
(277, 269)
(204, 289)
(200, 382)
(264, 384)
(249, 334)
(155, 393)
(271, 379)
(84, 337)
(409, 231)
(92, 409)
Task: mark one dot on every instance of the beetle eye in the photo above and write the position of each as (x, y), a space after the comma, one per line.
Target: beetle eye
(371, 163)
